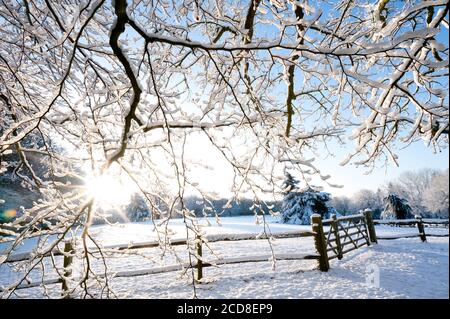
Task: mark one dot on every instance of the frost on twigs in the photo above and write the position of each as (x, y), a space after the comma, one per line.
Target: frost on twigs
(115, 112)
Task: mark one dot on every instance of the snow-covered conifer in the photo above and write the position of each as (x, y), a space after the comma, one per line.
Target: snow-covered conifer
(299, 205)
(396, 208)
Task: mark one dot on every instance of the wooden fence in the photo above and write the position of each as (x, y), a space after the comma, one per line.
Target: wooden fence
(198, 265)
(418, 222)
(344, 235)
(333, 238)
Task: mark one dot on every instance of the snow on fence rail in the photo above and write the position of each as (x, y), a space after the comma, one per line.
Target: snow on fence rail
(322, 239)
(343, 235)
(199, 264)
(412, 222)
(171, 268)
(175, 242)
(419, 222)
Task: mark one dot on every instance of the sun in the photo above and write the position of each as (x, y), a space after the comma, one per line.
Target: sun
(110, 191)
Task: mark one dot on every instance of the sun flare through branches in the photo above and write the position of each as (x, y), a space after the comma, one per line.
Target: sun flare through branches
(150, 107)
(109, 191)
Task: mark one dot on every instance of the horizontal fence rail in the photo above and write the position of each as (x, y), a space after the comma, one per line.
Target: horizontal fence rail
(418, 222)
(199, 264)
(174, 242)
(344, 235)
(182, 266)
(333, 238)
(412, 222)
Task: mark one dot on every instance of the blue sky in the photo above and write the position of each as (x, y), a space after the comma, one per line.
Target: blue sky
(411, 158)
(415, 157)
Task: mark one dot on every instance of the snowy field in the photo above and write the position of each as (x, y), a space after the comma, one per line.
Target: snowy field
(407, 268)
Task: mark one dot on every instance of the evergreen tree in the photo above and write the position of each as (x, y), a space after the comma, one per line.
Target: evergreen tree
(290, 184)
(298, 206)
(137, 210)
(396, 208)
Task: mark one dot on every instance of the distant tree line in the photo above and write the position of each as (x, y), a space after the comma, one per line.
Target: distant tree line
(138, 210)
(425, 191)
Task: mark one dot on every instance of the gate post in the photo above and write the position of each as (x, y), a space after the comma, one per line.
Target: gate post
(67, 271)
(421, 228)
(335, 226)
(320, 242)
(370, 226)
(199, 261)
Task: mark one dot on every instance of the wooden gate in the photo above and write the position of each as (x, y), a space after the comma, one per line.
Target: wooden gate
(335, 237)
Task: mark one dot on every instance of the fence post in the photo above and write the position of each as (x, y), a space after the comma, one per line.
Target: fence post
(320, 241)
(421, 228)
(370, 226)
(335, 226)
(67, 270)
(199, 261)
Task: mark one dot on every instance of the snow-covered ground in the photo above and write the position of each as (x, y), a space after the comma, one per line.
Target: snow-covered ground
(407, 268)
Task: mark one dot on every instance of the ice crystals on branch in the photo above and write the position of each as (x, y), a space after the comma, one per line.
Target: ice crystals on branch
(254, 85)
